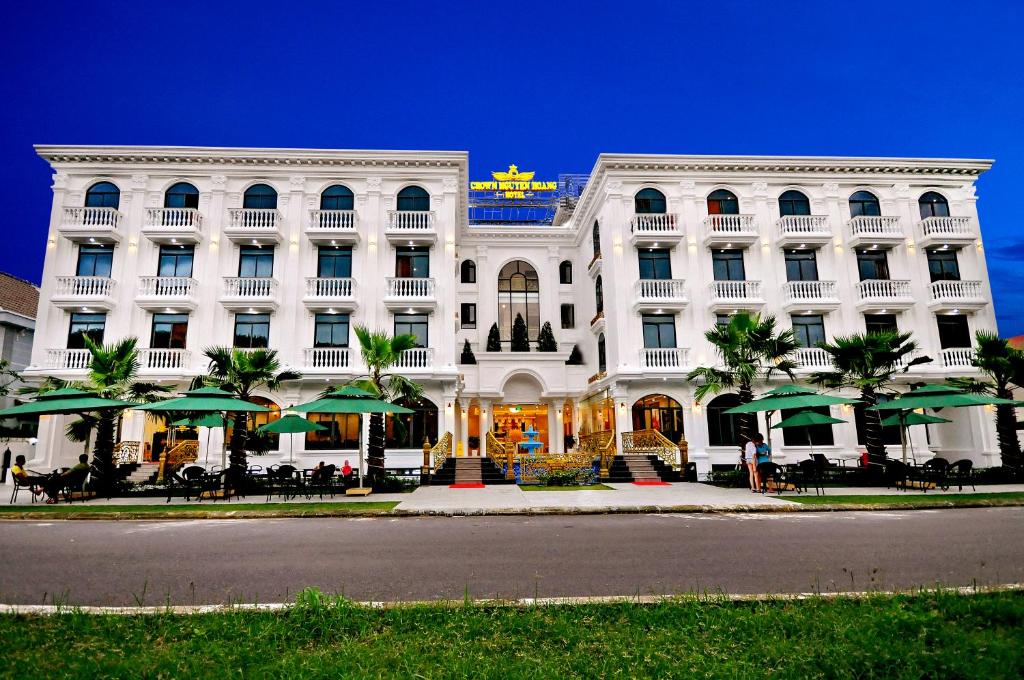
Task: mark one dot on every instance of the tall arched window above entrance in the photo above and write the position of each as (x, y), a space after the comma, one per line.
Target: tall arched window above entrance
(659, 412)
(408, 430)
(649, 201)
(260, 196)
(467, 271)
(794, 203)
(723, 202)
(933, 204)
(181, 195)
(723, 428)
(518, 293)
(602, 357)
(413, 198)
(103, 195)
(596, 235)
(864, 203)
(599, 294)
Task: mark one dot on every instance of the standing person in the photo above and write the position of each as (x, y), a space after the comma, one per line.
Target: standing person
(749, 459)
(762, 454)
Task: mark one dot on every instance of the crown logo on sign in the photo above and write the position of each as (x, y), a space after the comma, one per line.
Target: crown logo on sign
(513, 175)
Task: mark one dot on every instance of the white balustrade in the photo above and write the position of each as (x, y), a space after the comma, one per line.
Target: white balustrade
(812, 358)
(334, 220)
(185, 219)
(249, 287)
(642, 223)
(84, 286)
(167, 286)
(661, 289)
(730, 224)
(886, 289)
(164, 359)
(257, 219)
(876, 226)
(809, 291)
(71, 359)
(324, 287)
(410, 220)
(736, 290)
(328, 357)
(957, 227)
(410, 287)
(957, 357)
(419, 357)
(955, 290)
(802, 225)
(663, 357)
(91, 218)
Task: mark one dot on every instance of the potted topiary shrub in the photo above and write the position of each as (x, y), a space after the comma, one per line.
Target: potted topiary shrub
(546, 339)
(575, 357)
(520, 336)
(474, 445)
(493, 339)
(467, 354)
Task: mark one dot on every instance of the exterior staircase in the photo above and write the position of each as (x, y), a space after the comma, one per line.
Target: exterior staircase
(142, 473)
(626, 469)
(474, 470)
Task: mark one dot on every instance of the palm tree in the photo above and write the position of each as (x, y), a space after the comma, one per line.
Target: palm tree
(243, 373)
(868, 362)
(380, 353)
(1004, 366)
(750, 349)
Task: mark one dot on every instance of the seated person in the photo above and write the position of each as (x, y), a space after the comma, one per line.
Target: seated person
(346, 470)
(317, 472)
(58, 480)
(25, 476)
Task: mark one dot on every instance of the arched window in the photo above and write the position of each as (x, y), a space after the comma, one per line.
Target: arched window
(565, 272)
(518, 293)
(260, 196)
(723, 202)
(102, 195)
(864, 203)
(649, 201)
(181, 195)
(596, 234)
(659, 412)
(602, 357)
(408, 430)
(599, 294)
(467, 271)
(723, 428)
(413, 198)
(794, 203)
(336, 197)
(933, 204)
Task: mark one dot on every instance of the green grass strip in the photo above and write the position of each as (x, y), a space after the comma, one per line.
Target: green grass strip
(947, 499)
(932, 635)
(592, 487)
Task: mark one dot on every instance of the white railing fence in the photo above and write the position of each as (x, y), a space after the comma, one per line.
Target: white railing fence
(884, 288)
(410, 287)
(330, 287)
(249, 287)
(84, 286)
(254, 218)
(328, 357)
(663, 357)
(410, 220)
(92, 218)
(337, 220)
(736, 290)
(167, 286)
(661, 289)
(652, 222)
(174, 218)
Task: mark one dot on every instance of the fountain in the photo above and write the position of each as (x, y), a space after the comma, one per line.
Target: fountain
(531, 444)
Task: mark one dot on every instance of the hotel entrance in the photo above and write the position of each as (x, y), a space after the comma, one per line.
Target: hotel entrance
(511, 420)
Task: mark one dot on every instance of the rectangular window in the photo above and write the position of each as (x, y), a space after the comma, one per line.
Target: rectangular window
(953, 331)
(872, 264)
(412, 324)
(412, 263)
(95, 260)
(468, 315)
(809, 329)
(814, 435)
(256, 262)
(341, 431)
(722, 319)
(568, 316)
(252, 330)
(169, 331)
(655, 264)
(330, 330)
(728, 265)
(83, 325)
(801, 265)
(659, 330)
(880, 323)
(943, 266)
(334, 262)
(175, 261)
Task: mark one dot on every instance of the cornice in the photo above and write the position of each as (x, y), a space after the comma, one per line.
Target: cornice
(971, 167)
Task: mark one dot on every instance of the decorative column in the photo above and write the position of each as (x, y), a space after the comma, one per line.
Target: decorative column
(448, 412)
(463, 425)
(485, 424)
(553, 423)
(559, 434)
(623, 423)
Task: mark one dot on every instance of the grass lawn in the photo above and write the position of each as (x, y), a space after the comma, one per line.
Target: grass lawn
(539, 487)
(206, 507)
(948, 499)
(937, 635)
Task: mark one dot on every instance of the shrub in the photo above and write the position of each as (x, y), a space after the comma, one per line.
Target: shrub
(575, 357)
(520, 336)
(467, 354)
(546, 339)
(493, 339)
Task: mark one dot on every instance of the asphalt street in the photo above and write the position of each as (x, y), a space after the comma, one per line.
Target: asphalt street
(268, 560)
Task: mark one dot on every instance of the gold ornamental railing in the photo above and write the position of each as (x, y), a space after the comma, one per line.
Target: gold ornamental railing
(502, 453)
(440, 452)
(599, 445)
(126, 453)
(647, 442)
(183, 452)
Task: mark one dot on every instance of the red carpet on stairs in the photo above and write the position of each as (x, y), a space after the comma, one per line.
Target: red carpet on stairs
(651, 483)
(465, 486)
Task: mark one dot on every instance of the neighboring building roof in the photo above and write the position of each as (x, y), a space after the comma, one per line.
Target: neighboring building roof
(18, 295)
(1016, 342)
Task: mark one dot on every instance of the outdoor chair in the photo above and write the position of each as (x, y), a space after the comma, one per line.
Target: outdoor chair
(320, 481)
(188, 480)
(286, 479)
(934, 472)
(19, 485)
(827, 467)
(810, 474)
(776, 474)
(73, 483)
(897, 474)
(960, 473)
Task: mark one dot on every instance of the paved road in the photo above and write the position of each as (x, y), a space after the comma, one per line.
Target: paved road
(214, 561)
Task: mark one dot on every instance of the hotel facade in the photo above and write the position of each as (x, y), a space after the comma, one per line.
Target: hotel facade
(187, 248)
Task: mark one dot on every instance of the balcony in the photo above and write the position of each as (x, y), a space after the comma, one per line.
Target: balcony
(657, 294)
(884, 295)
(800, 231)
(412, 293)
(876, 231)
(173, 225)
(330, 294)
(167, 293)
(333, 227)
(729, 231)
(173, 361)
(945, 231)
(417, 359)
(67, 359)
(84, 293)
(812, 359)
(329, 359)
(664, 358)
(411, 227)
(809, 296)
(598, 323)
(254, 226)
(955, 296)
(957, 358)
(733, 296)
(654, 230)
(91, 225)
(249, 294)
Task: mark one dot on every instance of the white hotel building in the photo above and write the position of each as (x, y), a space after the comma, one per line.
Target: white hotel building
(185, 248)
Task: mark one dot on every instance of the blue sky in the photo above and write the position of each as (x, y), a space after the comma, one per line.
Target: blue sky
(544, 85)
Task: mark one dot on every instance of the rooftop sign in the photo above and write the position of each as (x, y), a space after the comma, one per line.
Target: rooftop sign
(513, 184)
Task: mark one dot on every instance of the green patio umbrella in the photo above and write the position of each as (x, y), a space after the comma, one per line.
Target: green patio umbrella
(807, 419)
(914, 418)
(65, 401)
(291, 424)
(209, 421)
(787, 397)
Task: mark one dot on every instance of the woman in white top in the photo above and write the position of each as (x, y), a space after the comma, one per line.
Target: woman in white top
(750, 460)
